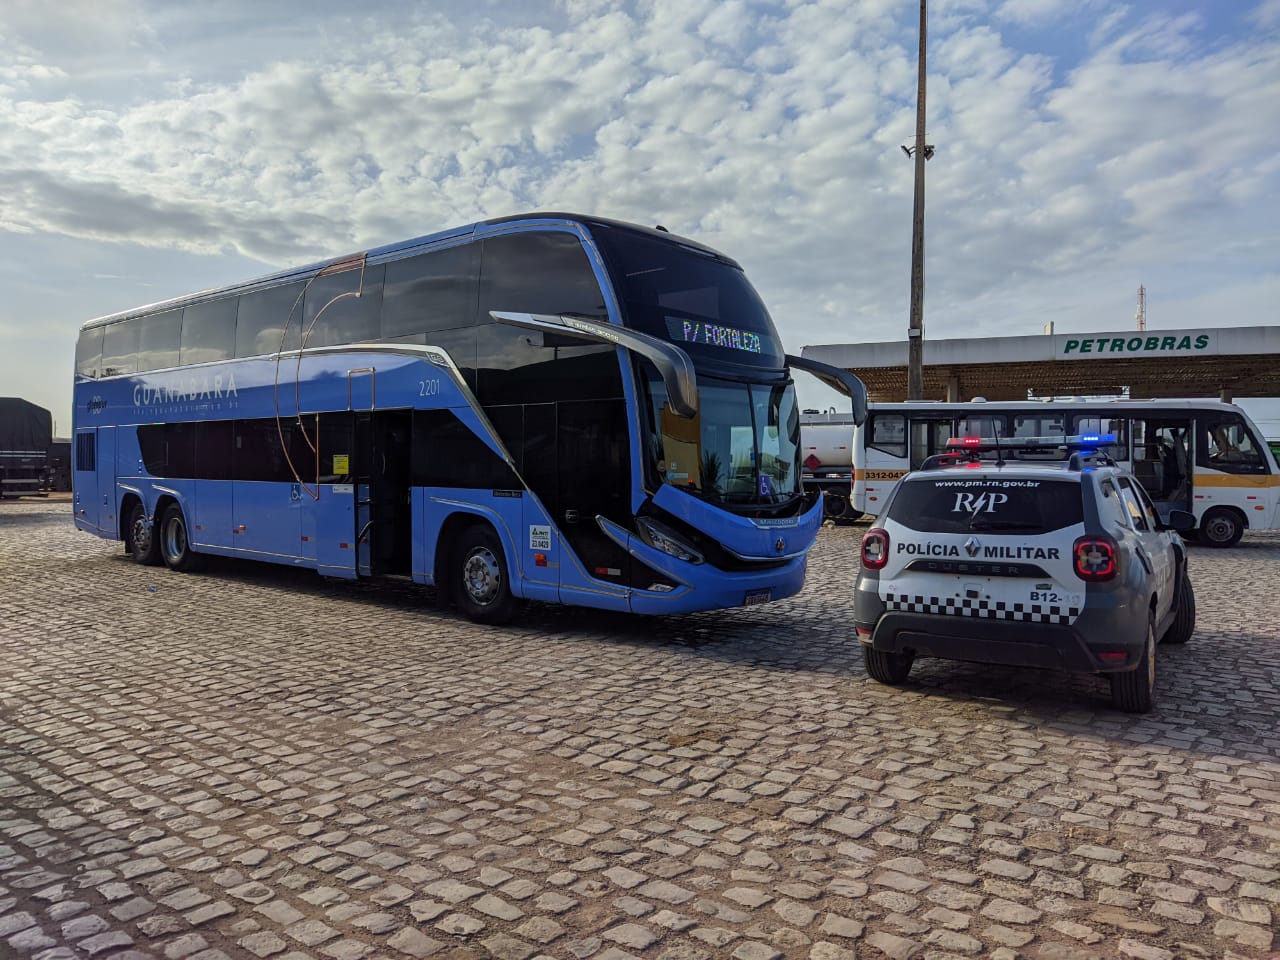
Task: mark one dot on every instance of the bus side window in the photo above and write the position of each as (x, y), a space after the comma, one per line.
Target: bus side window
(1226, 444)
(159, 340)
(269, 321)
(89, 353)
(209, 331)
(431, 291)
(332, 313)
(889, 434)
(1118, 427)
(545, 272)
(120, 347)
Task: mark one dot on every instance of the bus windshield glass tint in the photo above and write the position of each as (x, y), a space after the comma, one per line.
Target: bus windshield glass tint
(741, 449)
(702, 304)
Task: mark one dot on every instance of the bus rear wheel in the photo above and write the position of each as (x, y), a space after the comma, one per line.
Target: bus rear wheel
(144, 541)
(175, 546)
(481, 585)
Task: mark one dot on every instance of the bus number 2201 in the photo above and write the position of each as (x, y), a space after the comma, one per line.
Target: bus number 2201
(428, 388)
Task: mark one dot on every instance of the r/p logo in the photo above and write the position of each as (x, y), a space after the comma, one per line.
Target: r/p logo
(979, 502)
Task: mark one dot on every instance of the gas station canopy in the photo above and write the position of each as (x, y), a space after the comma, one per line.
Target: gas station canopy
(1227, 361)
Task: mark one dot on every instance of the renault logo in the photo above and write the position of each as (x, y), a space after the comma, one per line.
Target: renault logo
(779, 545)
(972, 546)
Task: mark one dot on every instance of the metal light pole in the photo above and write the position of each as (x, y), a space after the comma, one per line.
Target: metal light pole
(920, 153)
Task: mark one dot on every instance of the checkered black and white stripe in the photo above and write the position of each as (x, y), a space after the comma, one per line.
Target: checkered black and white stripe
(990, 609)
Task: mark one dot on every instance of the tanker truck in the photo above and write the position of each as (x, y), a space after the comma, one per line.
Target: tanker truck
(826, 454)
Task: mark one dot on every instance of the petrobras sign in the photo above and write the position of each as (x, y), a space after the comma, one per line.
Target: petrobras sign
(1178, 343)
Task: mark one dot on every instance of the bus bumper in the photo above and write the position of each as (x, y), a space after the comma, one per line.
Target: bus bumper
(718, 590)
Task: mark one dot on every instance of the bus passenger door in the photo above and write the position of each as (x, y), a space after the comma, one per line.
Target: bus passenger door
(927, 438)
(383, 513)
(1163, 462)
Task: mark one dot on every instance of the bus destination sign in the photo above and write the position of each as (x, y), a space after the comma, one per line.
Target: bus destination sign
(714, 335)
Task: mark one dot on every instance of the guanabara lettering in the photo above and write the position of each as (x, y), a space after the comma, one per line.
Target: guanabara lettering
(181, 389)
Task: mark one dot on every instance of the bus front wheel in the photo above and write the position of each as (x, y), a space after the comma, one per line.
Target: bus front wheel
(1221, 527)
(481, 586)
(175, 546)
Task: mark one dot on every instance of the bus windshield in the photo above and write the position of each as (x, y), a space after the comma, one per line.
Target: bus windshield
(703, 304)
(742, 449)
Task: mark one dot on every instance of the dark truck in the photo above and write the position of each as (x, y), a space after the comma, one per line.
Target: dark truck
(26, 432)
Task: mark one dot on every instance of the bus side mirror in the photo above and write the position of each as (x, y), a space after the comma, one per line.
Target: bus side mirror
(1182, 520)
(841, 380)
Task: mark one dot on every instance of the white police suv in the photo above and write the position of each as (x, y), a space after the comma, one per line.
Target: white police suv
(992, 553)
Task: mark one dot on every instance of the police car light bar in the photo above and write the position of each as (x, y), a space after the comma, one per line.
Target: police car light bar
(987, 444)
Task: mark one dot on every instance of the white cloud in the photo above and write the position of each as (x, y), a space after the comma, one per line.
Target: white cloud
(768, 129)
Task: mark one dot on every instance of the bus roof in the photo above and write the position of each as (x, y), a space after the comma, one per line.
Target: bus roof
(404, 248)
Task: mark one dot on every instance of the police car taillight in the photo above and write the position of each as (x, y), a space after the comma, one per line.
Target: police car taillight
(1095, 558)
(875, 548)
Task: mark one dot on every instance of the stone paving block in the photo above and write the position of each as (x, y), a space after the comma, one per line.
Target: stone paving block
(328, 790)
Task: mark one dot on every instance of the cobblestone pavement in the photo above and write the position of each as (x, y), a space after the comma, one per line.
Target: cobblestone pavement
(250, 762)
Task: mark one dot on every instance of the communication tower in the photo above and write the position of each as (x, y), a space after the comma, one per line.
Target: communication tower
(1141, 315)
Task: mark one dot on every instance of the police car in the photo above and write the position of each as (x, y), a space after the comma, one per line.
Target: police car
(993, 553)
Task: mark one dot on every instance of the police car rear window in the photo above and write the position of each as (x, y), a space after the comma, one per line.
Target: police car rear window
(995, 505)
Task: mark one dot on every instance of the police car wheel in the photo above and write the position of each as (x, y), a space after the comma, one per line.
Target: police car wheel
(890, 668)
(1184, 617)
(1134, 690)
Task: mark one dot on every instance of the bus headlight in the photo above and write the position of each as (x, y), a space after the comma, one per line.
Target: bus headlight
(663, 538)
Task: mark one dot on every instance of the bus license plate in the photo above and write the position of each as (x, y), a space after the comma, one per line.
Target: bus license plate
(757, 596)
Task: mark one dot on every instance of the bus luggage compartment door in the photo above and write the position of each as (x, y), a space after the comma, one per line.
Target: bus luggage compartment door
(335, 530)
(106, 499)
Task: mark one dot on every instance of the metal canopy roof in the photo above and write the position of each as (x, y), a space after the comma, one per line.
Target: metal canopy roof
(1229, 361)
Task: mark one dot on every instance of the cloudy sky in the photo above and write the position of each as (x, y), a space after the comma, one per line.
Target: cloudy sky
(150, 149)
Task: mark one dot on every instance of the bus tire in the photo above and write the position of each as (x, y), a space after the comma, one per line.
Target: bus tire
(1221, 527)
(175, 546)
(888, 668)
(1184, 617)
(144, 538)
(1134, 690)
(481, 585)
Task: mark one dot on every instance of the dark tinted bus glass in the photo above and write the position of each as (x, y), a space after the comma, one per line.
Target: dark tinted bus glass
(213, 449)
(259, 454)
(703, 304)
(269, 321)
(159, 340)
(447, 454)
(957, 504)
(432, 291)
(169, 449)
(120, 348)
(546, 273)
(89, 353)
(332, 314)
(209, 331)
(538, 273)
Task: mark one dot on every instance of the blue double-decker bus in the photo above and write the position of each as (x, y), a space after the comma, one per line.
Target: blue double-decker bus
(550, 406)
